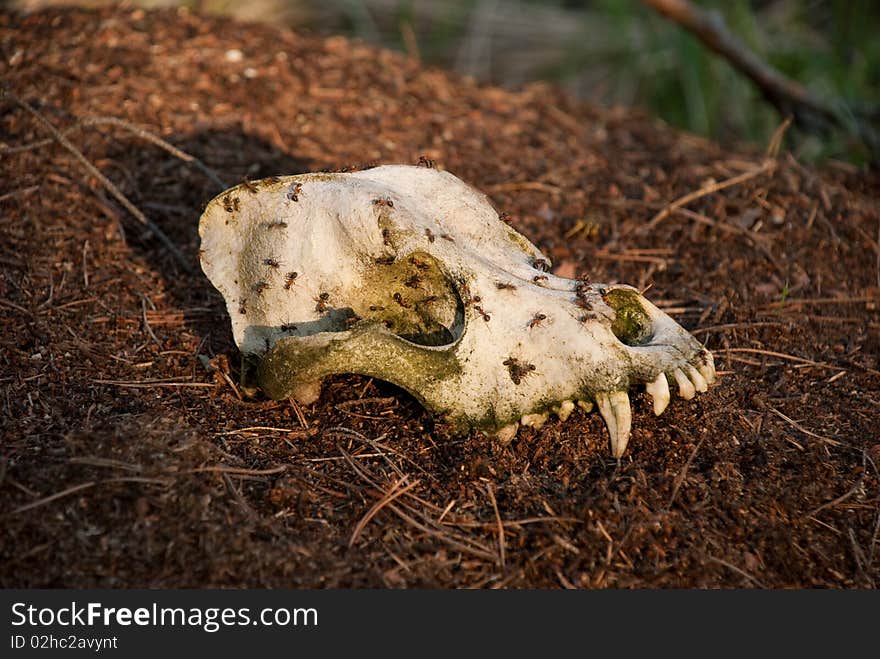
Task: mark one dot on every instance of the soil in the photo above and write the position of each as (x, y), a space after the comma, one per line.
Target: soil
(130, 460)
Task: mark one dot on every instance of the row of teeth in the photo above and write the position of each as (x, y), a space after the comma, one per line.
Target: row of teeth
(614, 406)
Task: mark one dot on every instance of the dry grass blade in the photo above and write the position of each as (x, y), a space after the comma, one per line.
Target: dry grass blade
(501, 541)
(54, 497)
(794, 424)
(738, 570)
(679, 479)
(239, 497)
(85, 486)
(223, 469)
(130, 127)
(467, 545)
(297, 410)
(380, 449)
(775, 142)
(134, 384)
(386, 400)
(105, 462)
(396, 490)
(240, 431)
(107, 183)
(428, 525)
(781, 355)
(765, 167)
(840, 499)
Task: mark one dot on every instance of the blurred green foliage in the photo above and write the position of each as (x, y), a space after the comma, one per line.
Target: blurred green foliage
(833, 48)
(622, 52)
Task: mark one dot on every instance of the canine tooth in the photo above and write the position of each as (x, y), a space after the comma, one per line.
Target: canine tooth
(564, 410)
(699, 381)
(707, 370)
(506, 434)
(534, 420)
(615, 409)
(586, 405)
(685, 387)
(659, 392)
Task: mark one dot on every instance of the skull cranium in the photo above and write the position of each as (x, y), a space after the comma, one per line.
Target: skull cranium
(407, 274)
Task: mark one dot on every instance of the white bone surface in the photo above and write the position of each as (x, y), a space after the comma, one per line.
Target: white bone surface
(522, 342)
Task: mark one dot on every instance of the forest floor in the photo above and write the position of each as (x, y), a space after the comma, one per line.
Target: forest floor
(129, 459)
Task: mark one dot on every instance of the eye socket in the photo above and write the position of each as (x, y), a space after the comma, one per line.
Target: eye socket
(632, 325)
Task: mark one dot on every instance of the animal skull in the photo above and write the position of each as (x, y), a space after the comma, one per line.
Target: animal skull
(408, 275)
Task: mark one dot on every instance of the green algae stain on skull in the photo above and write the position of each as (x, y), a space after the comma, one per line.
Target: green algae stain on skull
(294, 365)
(631, 325)
(407, 274)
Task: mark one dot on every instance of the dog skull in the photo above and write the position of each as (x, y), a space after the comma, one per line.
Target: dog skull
(408, 275)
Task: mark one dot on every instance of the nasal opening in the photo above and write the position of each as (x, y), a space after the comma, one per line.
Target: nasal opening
(632, 325)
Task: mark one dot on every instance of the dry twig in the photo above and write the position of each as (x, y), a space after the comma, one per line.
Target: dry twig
(130, 127)
(501, 541)
(767, 166)
(397, 489)
(790, 98)
(107, 183)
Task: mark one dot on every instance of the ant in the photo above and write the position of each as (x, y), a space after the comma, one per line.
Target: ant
(272, 263)
(383, 202)
(446, 236)
(583, 303)
(289, 280)
(421, 265)
(288, 327)
(539, 278)
(321, 307)
(259, 287)
(249, 186)
(504, 286)
(230, 204)
(293, 194)
(517, 371)
(541, 264)
(399, 299)
(430, 235)
(242, 306)
(277, 224)
(413, 282)
(480, 311)
(536, 320)
(424, 161)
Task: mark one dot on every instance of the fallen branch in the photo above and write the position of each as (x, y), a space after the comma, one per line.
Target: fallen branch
(789, 97)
